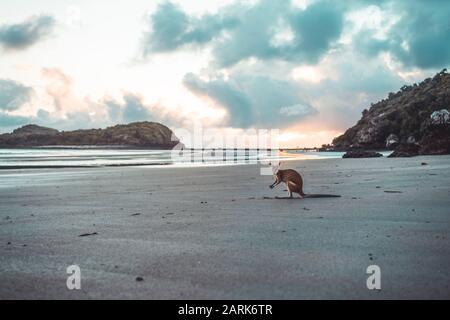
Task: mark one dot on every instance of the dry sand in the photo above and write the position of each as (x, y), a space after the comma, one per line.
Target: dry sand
(208, 233)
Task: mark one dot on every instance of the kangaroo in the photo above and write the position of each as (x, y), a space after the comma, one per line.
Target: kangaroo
(294, 183)
(292, 179)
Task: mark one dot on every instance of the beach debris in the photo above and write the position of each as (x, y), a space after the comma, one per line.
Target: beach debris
(169, 213)
(136, 214)
(9, 243)
(139, 279)
(424, 164)
(88, 234)
(393, 191)
(305, 208)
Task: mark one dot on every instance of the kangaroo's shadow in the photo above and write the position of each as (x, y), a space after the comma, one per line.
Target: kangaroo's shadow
(282, 198)
(288, 198)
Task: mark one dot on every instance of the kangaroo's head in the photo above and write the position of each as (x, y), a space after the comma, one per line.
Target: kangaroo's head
(275, 167)
(276, 173)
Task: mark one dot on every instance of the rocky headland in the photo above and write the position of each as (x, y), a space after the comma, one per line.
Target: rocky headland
(413, 121)
(138, 134)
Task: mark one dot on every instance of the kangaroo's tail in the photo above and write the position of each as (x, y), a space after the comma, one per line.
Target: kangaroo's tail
(320, 195)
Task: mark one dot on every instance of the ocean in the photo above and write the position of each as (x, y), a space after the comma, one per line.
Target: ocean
(39, 158)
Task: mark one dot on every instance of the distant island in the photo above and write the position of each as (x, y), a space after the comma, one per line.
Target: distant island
(145, 134)
(413, 121)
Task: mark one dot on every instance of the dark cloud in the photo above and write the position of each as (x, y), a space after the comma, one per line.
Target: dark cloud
(308, 34)
(315, 28)
(7, 120)
(134, 109)
(171, 28)
(421, 37)
(242, 31)
(131, 110)
(23, 35)
(253, 100)
(71, 120)
(114, 109)
(227, 94)
(13, 94)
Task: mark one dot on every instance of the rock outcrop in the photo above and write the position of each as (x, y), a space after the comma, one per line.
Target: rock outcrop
(361, 154)
(138, 134)
(436, 140)
(415, 114)
(441, 117)
(392, 141)
(405, 150)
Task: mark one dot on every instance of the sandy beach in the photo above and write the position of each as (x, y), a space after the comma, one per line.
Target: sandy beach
(211, 233)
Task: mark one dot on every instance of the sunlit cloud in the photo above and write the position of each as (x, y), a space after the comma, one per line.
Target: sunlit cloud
(308, 73)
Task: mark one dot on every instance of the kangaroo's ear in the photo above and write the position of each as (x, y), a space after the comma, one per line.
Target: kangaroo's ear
(278, 165)
(275, 167)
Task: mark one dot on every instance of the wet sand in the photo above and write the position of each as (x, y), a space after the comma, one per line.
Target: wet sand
(218, 232)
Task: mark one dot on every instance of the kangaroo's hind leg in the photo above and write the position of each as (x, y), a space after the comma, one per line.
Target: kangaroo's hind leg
(289, 186)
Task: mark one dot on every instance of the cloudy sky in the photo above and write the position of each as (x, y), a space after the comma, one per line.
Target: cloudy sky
(306, 67)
